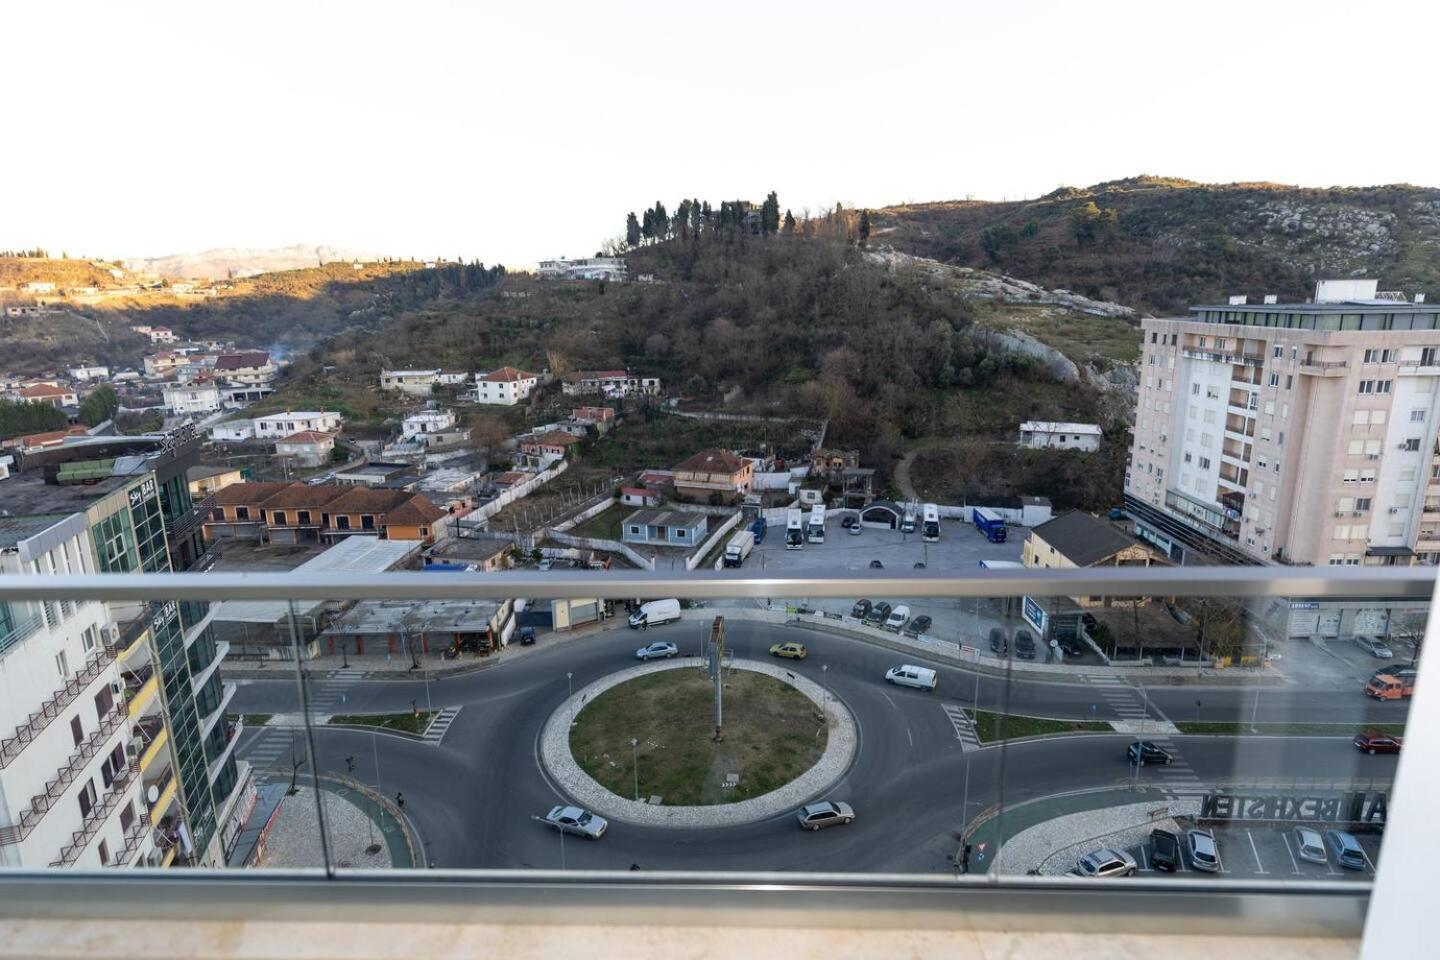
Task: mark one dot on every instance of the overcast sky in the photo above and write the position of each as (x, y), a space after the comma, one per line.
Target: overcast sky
(516, 131)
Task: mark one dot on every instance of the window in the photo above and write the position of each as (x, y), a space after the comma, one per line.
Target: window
(1427, 357)
(1202, 343)
(62, 663)
(634, 529)
(1212, 393)
(87, 639)
(242, 513)
(367, 521)
(1412, 444)
(681, 534)
(342, 522)
(1372, 448)
(104, 703)
(1372, 356)
(86, 798)
(1367, 386)
(1204, 463)
(1207, 440)
(1351, 476)
(77, 729)
(1382, 386)
(104, 850)
(277, 517)
(1274, 379)
(1187, 458)
(302, 518)
(1345, 505)
(1153, 337)
(1417, 416)
(1194, 389)
(1362, 504)
(1387, 356)
(1341, 533)
(1209, 416)
(1279, 352)
(1289, 381)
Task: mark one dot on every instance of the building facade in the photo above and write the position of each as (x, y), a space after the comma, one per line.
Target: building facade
(416, 383)
(1301, 433)
(506, 386)
(1045, 435)
(192, 399)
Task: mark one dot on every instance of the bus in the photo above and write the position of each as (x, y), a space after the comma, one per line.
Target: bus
(931, 528)
(794, 531)
(815, 529)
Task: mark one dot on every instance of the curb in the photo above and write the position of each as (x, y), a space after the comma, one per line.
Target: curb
(561, 767)
(370, 728)
(407, 829)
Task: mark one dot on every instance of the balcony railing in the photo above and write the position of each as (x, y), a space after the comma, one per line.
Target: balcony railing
(80, 839)
(53, 706)
(134, 837)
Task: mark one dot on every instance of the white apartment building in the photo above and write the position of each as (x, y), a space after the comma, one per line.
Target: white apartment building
(70, 778)
(192, 399)
(609, 383)
(506, 386)
(1293, 433)
(586, 268)
(418, 425)
(417, 383)
(277, 426)
(1046, 435)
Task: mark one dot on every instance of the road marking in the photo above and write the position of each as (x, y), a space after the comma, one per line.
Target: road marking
(1144, 860)
(1293, 862)
(909, 736)
(964, 729)
(888, 700)
(1259, 866)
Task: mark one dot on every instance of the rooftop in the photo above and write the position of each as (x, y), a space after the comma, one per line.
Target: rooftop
(241, 361)
(666, 518)
(353, 555)
(393, 617)
(203, 471)
(507, 374)
(712, 461)
(307, 436)
(1047, 426)
(15, 529)
(1083, 539)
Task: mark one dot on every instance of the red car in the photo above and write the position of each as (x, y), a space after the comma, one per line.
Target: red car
(1377, 743)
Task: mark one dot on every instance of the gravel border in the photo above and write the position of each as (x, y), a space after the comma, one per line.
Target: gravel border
(587, 792)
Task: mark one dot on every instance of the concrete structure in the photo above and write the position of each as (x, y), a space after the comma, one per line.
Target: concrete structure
(277, 426)
(412, 628)
(506, 386)
(1045, 435)
(639, 497)
(325, 513)
(609, 383)
(373, 474)
(157, 334)
(1299, 433)
(665, 528)
(426, 422)
(253, 368)
(48, 438)
(163, 363)
(416, 383)
(192, 399)
(308, 448)
(548, 447)
(1077, 539)
(204, 480)
(593, 416)
(50, 393)
(89, 372)
(586, 268)
(713, 473)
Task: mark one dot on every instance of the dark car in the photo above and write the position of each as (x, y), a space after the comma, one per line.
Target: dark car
(917, 626)
(1145, 752)
(1164, 850)
(861, 610)
(1373, 743)
(879, 613)
(847, 521)
(997, 641)
(1091, 624)
(527, 636)
(1024, 645)
(1072, 647)
(919, 564)
(1399, 673)
(876, 565)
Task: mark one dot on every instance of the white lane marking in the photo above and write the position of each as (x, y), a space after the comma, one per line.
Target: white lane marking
(1293, 862)
(888, 700)
(1144, 860)
(1259, 866)
(909, 736)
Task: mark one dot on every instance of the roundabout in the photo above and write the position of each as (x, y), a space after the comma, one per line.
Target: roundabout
(765, 768)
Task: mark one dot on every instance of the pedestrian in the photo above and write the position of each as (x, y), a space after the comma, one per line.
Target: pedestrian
(644, 625)
(400, 800)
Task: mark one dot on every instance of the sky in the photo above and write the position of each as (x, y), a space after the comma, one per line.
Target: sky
(516, 132)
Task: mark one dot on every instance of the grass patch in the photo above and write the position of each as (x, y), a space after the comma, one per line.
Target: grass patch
(771, 737)
(1012, 727)
(605, 525)
(1289, 729)
(405, 722)
(255, 719)
(1079, 336)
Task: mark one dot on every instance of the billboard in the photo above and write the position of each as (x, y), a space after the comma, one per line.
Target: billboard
(1034, 615)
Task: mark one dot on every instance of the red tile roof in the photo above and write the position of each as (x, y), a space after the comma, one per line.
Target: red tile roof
(508, 374)
(414, 512)
(241, 361)
(554, 438)
(247, 494)
(44, 390)
(308, 436)
(712, 461)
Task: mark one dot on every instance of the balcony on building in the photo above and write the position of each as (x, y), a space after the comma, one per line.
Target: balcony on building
(141, 686)
(211, 702)
(224, 737)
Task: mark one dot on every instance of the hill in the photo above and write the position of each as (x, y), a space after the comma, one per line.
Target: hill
(1162, 244)
(229, 262)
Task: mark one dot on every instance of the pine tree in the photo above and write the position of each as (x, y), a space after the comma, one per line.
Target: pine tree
(632, 230)
(770, 214)
(864, 226)
(662, 221)
(647, 228)
(789, 228)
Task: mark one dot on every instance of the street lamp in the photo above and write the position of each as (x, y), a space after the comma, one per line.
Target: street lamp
(824, 690)
(570, 684)
(635, 765)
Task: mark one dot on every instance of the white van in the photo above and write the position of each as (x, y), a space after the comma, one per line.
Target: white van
(921, 678)
(897, 619)
(655, 613)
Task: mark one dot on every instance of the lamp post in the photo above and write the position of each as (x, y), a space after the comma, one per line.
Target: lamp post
(824, 689)
(635, 765)
(570, 684)
(965, 795)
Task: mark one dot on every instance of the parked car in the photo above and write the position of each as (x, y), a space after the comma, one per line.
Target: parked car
(1144, 752)
(1024, 645)
(919, 564)
(917, 626)
(527, 636)
(1204, 854)
(861, 610)
(546, 564)
(875, 564)
(848, 521)
(1373, 743)
(905, 675)
(814, 816)
(1106, 863)
(1374, 646)
(898, 618)
(657, 650)
(790, 651)
(1308, 844)
(997, 641)
(878, 612)
(1164, 850)
(1399, 673)
(855, 530)
(576, 820)
(1346, 850)
(1072, 647)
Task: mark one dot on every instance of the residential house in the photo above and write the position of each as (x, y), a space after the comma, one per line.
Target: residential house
(714, 474)
(376, 473)
(511, 478)
(308, 448)
(233, 431)
(585, 268)
(205, 479)
(162, 335)
(192, 399)
(305, 513)
(1046, 435)
(416, 383)
(164, 363)
(549, 446)
(506, 386)
(609, 383)
(451, 378)
(601, 418)
(252, 368)
(639, 497)
(51, 393)
(423, 422)
(1077, 539)
(89, 372)
(274, 426)
(664, 528)
(825, 463)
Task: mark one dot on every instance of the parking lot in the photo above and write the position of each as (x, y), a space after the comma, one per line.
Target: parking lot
(1341, 661)
(1263, 851)
(959, 550)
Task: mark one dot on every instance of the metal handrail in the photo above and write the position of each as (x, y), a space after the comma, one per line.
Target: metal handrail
(98, 815)
(36, 723)
(1239, 582)
(133, 838)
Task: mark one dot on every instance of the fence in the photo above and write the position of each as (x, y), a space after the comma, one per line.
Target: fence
(594, 543)
(599, 506)
(517, 492)
(699, 555)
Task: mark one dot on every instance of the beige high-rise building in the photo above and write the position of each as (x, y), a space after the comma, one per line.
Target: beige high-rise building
(1291, 433)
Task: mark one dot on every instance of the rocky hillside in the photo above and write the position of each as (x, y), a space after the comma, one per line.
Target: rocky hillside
(223, 262)
(1160, 244)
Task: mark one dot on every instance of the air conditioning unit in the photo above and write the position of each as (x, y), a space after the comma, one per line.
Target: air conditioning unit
(1394, 510)
(112, 633)
(132, 749)
(154, 858)
(116, 687)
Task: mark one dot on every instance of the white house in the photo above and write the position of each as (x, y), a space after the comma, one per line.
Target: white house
(506, 386)
(233, 431)
(450, 378)
(277, 426)
(417, 425)
(39, 286)
(190, 399)
(308, 448)
(252, 368)
(1045, 435)
(89, 373)
(417, 383)
(586, 268)
(48, 392)
(161, 335)
(609, 383)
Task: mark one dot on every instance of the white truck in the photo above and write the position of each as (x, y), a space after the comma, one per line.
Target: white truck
(907, 522)
(739, 548)
(815, 529)
(794, 529)
(931, 530)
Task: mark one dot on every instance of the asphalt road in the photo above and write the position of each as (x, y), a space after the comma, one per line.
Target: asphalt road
(473, 795)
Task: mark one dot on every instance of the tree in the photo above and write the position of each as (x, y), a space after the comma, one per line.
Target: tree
(864, 227)
(19, 419)
(770, 214)
(632, 230)
(789, 228)
(99, 406)
(647, 227)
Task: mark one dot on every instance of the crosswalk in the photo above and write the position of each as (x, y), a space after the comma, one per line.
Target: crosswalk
(964, 729)
(1120, 697)
(328, 696)
(1175, 779)
(436, 731)
(271, 747)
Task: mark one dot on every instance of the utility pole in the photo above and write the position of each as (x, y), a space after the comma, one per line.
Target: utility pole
(717, 655)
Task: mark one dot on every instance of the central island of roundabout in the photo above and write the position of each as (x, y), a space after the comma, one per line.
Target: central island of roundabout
(649, 731)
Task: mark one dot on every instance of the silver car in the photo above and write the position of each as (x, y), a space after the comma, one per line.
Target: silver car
(1374, 646)
(1106, 863)
(1309, 845)
(659, 649)
(817, 815)
(576, 820)
(1204, 854)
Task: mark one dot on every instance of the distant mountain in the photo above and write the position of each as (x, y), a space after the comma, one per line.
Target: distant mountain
(1161, 244)
(223, 262)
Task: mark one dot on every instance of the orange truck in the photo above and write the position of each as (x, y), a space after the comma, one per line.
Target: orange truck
(1387, 686)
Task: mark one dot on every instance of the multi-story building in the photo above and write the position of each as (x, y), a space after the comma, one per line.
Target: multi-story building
(585, 268)
(190, 399)
(161, 742)
(609, 383)
(253, 368)
(416, 383)
(277, 426)
(1296, 433)
(506, 386)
